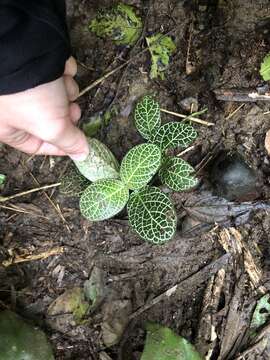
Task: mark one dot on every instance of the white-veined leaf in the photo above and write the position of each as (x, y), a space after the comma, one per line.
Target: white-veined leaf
(147, 117)
(139, 165)
(152, 215)
(73, 183)
(173, 135)
(100, 163)
(103, 199)
(177, 174)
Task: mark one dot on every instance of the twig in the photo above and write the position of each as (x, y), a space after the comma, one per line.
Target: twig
(241, 95)
(197, 277)
(186, 150)
(21, 210)
(30, 257)
(191, 117)
(8, 198)
(234, 112)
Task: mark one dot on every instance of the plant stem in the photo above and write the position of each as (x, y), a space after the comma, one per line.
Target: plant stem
(191, 117)
(8, 198)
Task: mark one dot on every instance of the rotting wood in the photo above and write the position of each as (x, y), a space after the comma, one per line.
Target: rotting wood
(241, 95)
(183, 285)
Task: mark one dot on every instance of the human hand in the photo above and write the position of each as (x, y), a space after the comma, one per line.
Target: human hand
(43, 120)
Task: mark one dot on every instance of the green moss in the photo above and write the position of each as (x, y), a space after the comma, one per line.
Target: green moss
(120, 24)
(161, 48)
(265, 68)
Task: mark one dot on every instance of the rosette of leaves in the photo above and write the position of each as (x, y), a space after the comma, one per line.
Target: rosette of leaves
(175, 173)
(105, 198)
(151, 212)
(161, 48)
(119, 23)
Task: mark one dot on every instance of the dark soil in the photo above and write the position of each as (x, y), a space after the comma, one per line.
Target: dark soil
(228, 42)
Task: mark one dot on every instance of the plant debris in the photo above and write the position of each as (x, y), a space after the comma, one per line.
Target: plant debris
(120, 24)
(161, 48)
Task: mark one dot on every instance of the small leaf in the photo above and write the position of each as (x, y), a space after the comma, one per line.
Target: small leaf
(2, 179)
(22, 341)
(139, 165)
(103, 199)
(120, 24)
(261, 313)
(265, 68)
(147, 116)
(163, 344)
(100, 163)
(152, 215)
(177, 174)
(161, 48)
(92, 127)
(173, 135)
(73, 183)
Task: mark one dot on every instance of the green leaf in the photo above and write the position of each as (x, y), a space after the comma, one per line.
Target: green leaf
(173, 135)
(139, 165)
(152, 215)
(120, 24)
(147, 117)
(73, 183)
(261, 313)
(265, 68)
(161, 48)
(2, 180)
(103, 199)
(92, 127)
(163, 344)
(22, 341)
(177, 174)
(100, 163)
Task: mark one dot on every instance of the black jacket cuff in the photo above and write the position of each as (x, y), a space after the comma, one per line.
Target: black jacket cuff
(34, 43)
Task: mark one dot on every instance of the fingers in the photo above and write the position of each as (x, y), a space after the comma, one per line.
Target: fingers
(71, 67)
(29, 144)
(75, 113)
(72, 88)
(73, 142)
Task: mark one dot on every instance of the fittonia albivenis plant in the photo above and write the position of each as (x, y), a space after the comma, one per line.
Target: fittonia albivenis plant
(113, 186)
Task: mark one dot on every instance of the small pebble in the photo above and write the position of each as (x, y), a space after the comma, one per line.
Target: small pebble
(189, 104)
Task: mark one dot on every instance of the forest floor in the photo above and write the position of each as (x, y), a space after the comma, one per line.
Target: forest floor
(223, 268)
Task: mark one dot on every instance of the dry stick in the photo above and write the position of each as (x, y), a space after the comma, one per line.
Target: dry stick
(21, 210)
(184, 284)
(191, 118)
(8, 198)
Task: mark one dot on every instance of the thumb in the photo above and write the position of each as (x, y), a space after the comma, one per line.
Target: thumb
(71, 140)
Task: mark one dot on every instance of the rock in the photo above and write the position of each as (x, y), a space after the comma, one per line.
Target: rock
(116, 317)
(189, 104)
(68, 309)
(233, 179)
(267, 142)
(20, 340)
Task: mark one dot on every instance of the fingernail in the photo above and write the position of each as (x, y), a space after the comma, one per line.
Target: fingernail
(78, 157)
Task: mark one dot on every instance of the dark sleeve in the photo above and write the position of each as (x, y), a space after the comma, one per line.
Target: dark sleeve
(34, 43)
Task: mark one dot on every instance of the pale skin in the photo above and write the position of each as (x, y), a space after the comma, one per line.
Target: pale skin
(42, 120)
